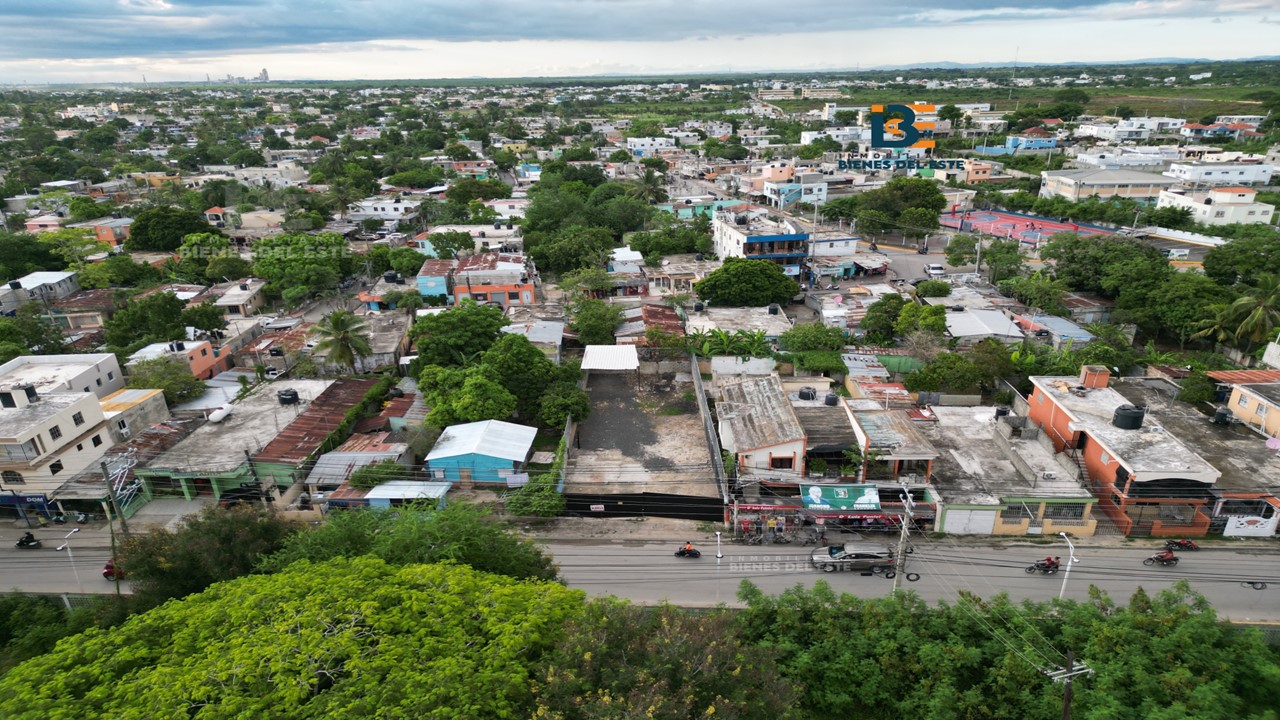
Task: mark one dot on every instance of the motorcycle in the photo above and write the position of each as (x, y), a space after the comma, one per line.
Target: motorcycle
(27, 544)
(1158, 558)
(1043, 567)
(1181, 545)
(922, 251)
(694, 553)
(111, 572)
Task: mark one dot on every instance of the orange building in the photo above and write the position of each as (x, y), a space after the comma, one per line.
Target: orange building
(1146, 480)
(198, 355)
(499, 278)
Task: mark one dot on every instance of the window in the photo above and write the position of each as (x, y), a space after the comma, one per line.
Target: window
(204, 351)
(6, 400)
(55, 467)
(480, 297)
(1106, 459)
(97, 441)
(782, 463)
(1244, 401)
(513, 296)
(79, 447)
(122, 424)
(1016, 512)
(99, 381)
(10, 477)
(55, 432)
(78, 419)
(1064, 511)
(1262, 410)
(111, 375)
(1220, 213)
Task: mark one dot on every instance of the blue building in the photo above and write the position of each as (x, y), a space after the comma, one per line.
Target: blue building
(481, 452)
(434, 277)
(1029, 142)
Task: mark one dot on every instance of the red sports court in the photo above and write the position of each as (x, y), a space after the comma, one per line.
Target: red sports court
(1027, 229)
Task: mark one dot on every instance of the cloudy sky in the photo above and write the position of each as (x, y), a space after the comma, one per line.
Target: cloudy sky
(122, 40)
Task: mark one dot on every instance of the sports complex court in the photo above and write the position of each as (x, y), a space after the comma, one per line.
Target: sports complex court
(1027, 229)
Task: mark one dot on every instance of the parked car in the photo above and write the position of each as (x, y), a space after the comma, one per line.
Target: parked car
(860, 558)
(934, 270)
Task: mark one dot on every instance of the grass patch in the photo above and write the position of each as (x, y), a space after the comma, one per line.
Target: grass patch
(672, 410)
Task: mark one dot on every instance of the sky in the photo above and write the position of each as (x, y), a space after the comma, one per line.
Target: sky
(105, 41)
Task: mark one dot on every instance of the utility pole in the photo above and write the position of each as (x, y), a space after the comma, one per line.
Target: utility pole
(900, 557)
(1065, 675)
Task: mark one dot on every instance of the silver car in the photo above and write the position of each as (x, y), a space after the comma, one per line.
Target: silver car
(862, 558)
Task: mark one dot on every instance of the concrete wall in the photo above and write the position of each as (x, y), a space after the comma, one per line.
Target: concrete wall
(662, 367)
(742, 366)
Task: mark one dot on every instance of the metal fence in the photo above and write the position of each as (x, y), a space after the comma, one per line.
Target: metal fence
(709, 429)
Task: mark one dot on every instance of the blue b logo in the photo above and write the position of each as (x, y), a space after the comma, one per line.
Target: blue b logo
(907, 127)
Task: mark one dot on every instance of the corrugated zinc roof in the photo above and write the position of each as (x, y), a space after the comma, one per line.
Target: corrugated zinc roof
(493, 438)
(610, 357)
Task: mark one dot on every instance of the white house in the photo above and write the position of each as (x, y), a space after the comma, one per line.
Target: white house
(1220, 206)
(1123, 131)
(46, 438)
(384, 208)
(647, 146)
(97, 373)
(1212, 173)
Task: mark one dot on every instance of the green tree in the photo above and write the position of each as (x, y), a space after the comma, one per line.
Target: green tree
(561, 401)
(650, 187)
(933, 288)
(375, 474)
(619, 156)
(1004, 258)
(465, 396)
(448, 244)
(1252, 317)
(572, 248)
(344, 339)
(927, 318)
(205, 316)
(163, 229)
(1038, 291)
(227, 268)
(353, 646)
(465, 190)
(962, 250)
(1183, 303)
(211, 546)
(457, 336)
(812, 336)
(918, 222)
(417, 534)
(167, 374)
(881, 318)
(20, 254)
(746, 283)
(74, 246)
(154, 318)
(458, 151)
(314, 263)
(874, 222)
(620, 660)
(524, 370)
(27, 332)
(951, 114)
(948, 371)
(407, 261)
(1242, 260)
(594, 321)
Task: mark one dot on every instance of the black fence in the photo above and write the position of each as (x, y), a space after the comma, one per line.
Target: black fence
(684, 507)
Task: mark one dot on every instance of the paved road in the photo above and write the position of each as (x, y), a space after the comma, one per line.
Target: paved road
(647, 572)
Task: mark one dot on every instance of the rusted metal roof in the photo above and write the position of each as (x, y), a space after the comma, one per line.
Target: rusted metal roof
(303, 437)
(396, 408)
(1238, 377)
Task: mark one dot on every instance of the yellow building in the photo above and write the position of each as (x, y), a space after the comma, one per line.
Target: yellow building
(1258, 406)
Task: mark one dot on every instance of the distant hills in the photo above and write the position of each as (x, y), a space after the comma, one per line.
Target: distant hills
(1072, 63)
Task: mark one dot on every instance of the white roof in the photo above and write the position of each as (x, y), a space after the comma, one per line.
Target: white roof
(45, 277)
(981, 322)
(408, 489)
(493, 438)
(610, 357)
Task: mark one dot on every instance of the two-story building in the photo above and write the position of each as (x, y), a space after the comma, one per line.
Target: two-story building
(1221, 173)
(42, 286)
(1147, 481)
(499, 278)
(198, 356)
(1076, 185)
(243, 297)
(1219, 206)
(751, 234)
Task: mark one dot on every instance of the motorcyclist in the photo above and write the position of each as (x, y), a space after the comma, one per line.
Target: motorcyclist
(28, 538)
(1049, 563)
(1165, 555)
(688, 547)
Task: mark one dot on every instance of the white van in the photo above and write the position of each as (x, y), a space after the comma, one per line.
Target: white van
(1176, 253)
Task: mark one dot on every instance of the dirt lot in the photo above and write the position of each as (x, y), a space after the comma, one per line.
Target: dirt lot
(643, 435)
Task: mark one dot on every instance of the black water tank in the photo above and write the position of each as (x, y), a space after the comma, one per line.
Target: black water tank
(1128, 417)
(1001, 411)
(697, 256)
(808, 393)
(1222, 416)
(287, 397)
(389, 276)
(832, 399)
(179, 345)
(395, 393)
(244, 286)
(497, 226)
(276, 352)
(511, 226)
(774, 309)
(699, 307)
(15, 285)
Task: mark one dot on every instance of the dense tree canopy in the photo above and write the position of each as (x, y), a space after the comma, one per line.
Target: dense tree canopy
(162, 229)
(746, 283)
(458, 335)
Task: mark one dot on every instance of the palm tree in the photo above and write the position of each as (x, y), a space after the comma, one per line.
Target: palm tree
(752, 343)
(649, 187)
(343, 338)
(1257, 311)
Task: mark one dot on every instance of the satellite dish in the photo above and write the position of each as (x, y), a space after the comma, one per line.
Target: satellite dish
(1273, 443)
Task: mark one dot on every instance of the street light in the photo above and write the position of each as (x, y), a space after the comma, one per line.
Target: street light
(67, 546)
(1070, 561)
(719, 556)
